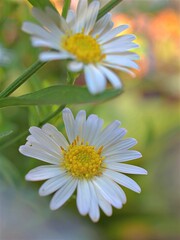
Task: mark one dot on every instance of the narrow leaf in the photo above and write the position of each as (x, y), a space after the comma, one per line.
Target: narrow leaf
(61, 94)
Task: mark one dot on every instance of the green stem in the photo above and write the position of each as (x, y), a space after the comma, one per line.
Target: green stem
(21, 79)
(52, 115)
(108, 7)
(66, 8)
(25, 133)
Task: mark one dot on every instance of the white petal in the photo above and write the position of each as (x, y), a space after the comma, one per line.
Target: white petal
(104, 186)
(81, 14)
(124, 144)
(35, 145)
(48, 56)
(93, 84)
(99, 78)
(43, 172)
(38, 154)
(130, 55)
(125, 168)
(92, 128)
(121, 60)
(68, 119)
(64, 26)
(104, 205)
(111, 34)
(53, 15)
(79, 123)
(57, 136)
(123, 180)
(38, 42)
(81, 8)
(75, 66)
(91, 17)
(83, 197)
(94, 212)
(70, 17)
(108, 27)
(123, 156)
(127, 38)
(100, 25)
(121, 193)
(115, 137)
(116, 188)
(115, 66)
(44, 139)
(121, 41)
(31, 139)
(107, 133)
(46, 21)
(40, 32)
(63, 194)
(53, 184)
(112, 77)
(118, 47)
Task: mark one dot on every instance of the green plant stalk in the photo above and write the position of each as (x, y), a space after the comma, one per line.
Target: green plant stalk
(21, 79)
(66, 6)
(52, 115)
(37, 65)
(25, 133)
(108, 7)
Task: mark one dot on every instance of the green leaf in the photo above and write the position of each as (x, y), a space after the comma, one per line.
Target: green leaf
(41, 3)
(61, 94)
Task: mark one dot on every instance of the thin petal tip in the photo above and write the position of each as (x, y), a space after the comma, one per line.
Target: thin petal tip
(145, 172)
(66, 110)
(53, 207)
(28, 177)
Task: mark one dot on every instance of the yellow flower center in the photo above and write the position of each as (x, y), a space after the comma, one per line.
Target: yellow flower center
(82, 161)
(84, 47)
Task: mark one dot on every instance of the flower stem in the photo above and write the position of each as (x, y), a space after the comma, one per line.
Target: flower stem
(21, 79)
(25, 133)
(108, 7)
(52, 115)
(66, 8)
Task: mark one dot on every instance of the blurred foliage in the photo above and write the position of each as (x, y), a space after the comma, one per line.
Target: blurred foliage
(149, 108)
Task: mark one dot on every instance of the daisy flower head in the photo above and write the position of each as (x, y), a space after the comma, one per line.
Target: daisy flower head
(90, 162)
(92, 46)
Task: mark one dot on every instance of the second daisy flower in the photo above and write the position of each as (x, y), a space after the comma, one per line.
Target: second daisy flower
(90, 45)
(92, 160)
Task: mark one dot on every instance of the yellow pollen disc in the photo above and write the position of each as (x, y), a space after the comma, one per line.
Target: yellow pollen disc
(84, 47)
(82, 161)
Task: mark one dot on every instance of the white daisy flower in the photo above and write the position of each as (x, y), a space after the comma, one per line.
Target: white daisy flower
(91, 161)
(92, 46)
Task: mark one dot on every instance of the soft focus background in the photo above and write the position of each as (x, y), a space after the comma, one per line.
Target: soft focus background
(149, 108)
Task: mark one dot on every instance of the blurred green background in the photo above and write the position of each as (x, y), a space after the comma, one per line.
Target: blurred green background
(149, 108)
